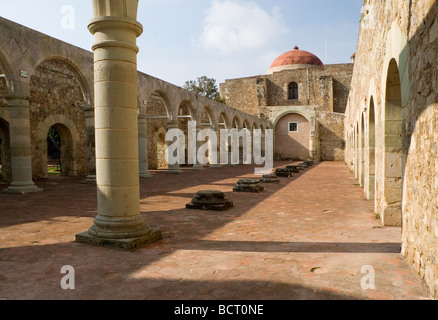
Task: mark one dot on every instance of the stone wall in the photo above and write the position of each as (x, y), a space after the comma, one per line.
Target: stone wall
(156, 129)
(54, 90)
(328, 87)
(403, 34)
(331, 132)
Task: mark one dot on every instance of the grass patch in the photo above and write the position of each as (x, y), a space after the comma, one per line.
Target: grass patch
(53, 171)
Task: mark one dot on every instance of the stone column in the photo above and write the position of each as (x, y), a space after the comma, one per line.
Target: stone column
(119, 223)
(218, 134)
(20, 140)
(197, 166)
(143, 147)
(173, 168)
(91, 145)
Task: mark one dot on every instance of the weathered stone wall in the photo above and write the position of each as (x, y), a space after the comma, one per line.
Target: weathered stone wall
(54, 90)
(331, 132)
(242, 94)
(328, 87)
(156, 108)
(405, 32)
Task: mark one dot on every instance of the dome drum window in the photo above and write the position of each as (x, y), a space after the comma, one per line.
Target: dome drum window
(293, 91)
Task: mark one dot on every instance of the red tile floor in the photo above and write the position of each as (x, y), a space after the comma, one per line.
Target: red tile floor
(306, 238)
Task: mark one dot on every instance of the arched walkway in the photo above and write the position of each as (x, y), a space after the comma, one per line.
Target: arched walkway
(393, 148)
(70, 139)
(371, 151)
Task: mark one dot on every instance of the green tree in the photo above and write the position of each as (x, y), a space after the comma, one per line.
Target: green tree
(205, 87)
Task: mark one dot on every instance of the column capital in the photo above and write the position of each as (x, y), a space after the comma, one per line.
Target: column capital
(18, 101)
(173, 123)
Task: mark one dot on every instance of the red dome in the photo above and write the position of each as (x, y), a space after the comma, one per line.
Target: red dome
(296, 57)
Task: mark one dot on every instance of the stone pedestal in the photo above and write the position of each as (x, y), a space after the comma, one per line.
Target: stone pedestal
(248, 185)
(119, 223)
(270, 178)
(21, 154)
(283, 173)
(309, 163)
(293, 169)
(210, 200)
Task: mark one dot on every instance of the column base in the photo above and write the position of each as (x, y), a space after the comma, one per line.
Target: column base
(392, 216)
(123, 244)
(215, 166)
(198, 167)
(174, 171)
(22, 189)
(146, 175)
(90, 180)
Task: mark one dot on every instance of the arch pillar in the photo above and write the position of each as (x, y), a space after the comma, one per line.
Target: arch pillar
(173, 168)
(143, 147)
(20, 145)
(197, 166)
(216, 165)
(119, 223)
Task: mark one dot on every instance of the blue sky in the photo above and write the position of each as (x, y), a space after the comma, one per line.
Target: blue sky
(222, 39)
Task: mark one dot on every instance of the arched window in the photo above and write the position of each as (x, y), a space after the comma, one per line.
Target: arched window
(293, 91)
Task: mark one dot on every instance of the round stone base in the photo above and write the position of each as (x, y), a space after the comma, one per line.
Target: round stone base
(123, 244)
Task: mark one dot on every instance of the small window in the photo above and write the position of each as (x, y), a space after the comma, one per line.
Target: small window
(293, 91)
(293, 126)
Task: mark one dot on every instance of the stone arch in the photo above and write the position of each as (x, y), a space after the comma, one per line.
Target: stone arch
(7, 70)
(223, 121)
(292, 143)
(206, 117)
(236, 123)
(371, 154)
(160, 154)
(391, 143)
(186, 113)
(56, 95)
(314, 144)
(356, 150)
(362, 150)
(158, 113)
(393, 147)
(78, 61)
(70, 139)
(246, 124)
(161, 94)
(189, 109)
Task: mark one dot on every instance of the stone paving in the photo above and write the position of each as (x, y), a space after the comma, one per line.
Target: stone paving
(307, 237)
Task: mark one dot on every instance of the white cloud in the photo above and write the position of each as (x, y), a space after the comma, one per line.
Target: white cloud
(231, 27)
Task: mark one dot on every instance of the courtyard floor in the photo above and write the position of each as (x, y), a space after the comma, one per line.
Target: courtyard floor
(308, 237)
